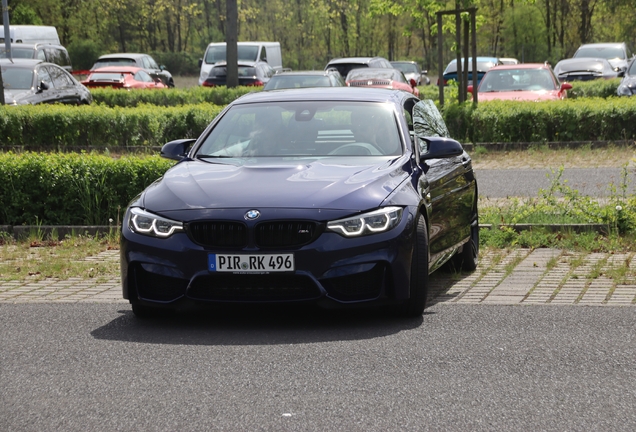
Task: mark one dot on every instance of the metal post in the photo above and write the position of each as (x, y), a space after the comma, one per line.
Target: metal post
(458, 45)
(7, 43)
(473, 30)
(440, 59)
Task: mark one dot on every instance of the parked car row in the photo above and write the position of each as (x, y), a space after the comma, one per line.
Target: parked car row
(362, 72)
(32, 58)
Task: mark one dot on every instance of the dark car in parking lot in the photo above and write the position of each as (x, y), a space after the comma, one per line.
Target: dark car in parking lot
(627, 86)
(305, 79)
(144, 61)
(616, 53)
(51, 53)
(30, 82)
(329, 196)
(249, 74)
(584, 69)
(412, 71)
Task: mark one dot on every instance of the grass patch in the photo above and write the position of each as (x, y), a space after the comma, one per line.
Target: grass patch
(38, 258)
(541, 156)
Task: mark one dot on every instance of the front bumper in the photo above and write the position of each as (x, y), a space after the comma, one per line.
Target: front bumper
(331, 269)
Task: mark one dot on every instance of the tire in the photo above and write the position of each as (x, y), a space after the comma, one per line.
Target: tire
(468, 258)
(418, 290)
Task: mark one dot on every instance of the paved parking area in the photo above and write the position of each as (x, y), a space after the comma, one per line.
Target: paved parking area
(511, 277)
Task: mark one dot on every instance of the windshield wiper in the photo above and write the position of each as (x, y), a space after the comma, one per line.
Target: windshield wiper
(201, 156)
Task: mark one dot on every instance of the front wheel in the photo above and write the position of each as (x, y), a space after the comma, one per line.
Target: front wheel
(468, 258)
(418, 291)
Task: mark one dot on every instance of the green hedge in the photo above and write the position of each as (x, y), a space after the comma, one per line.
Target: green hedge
(585, 119)
(72, 188)
(58, 126)
(169, 97)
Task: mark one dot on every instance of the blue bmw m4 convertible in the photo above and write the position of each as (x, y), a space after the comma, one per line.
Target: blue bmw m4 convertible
(332, 196)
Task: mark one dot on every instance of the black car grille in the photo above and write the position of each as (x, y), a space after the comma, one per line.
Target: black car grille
(276, 234)
(253, 288)
(359, 286)
(157, 287)
(218, 233)
(286, 233)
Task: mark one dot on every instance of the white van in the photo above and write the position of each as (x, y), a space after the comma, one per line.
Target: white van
(247, 51)
(31, 34)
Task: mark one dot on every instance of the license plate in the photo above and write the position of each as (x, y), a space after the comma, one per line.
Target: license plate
(257, 263)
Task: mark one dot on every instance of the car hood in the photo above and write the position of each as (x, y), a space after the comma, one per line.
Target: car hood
(328, 183)
(520, 95)
(582, 64)
(17, 96)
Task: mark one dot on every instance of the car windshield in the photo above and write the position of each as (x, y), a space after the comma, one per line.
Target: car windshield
(299, 81)
(217, 53)
(25, 53)
(304, 129)
(517, 80)
(405, 67)
(17, 78)
(608, 53)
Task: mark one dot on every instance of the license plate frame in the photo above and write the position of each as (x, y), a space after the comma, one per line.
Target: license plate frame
(251, 263)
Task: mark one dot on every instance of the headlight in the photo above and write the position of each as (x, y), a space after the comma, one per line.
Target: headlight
(374, 222)
(623, 90)
(146, 223)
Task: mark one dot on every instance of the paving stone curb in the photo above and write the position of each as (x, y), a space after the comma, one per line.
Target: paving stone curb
(504, 277)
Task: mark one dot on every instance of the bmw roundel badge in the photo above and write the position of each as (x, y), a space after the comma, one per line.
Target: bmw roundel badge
(252, 214)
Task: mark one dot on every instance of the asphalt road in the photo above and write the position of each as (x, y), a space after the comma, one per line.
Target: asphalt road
(502, 183)
(81, 367)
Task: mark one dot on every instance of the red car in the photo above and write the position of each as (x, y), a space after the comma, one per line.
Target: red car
(122, 77)
(525, 82)
(381, 78)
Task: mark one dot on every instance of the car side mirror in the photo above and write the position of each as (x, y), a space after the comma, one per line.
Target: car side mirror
(162, 67)
(424, 72)
(42, 86)
(566, 86)
(413, 82)
(200, 62)
(177, 150)
(439, 148)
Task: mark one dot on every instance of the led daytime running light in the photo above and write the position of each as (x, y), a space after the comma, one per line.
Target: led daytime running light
(139, 216)
(391, 215)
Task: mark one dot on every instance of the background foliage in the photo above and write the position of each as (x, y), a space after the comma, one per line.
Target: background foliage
(311, 32)
(72, 188)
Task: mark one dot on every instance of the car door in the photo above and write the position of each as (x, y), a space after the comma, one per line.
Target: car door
(46, 93)
(68, 92)
(451, 184)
